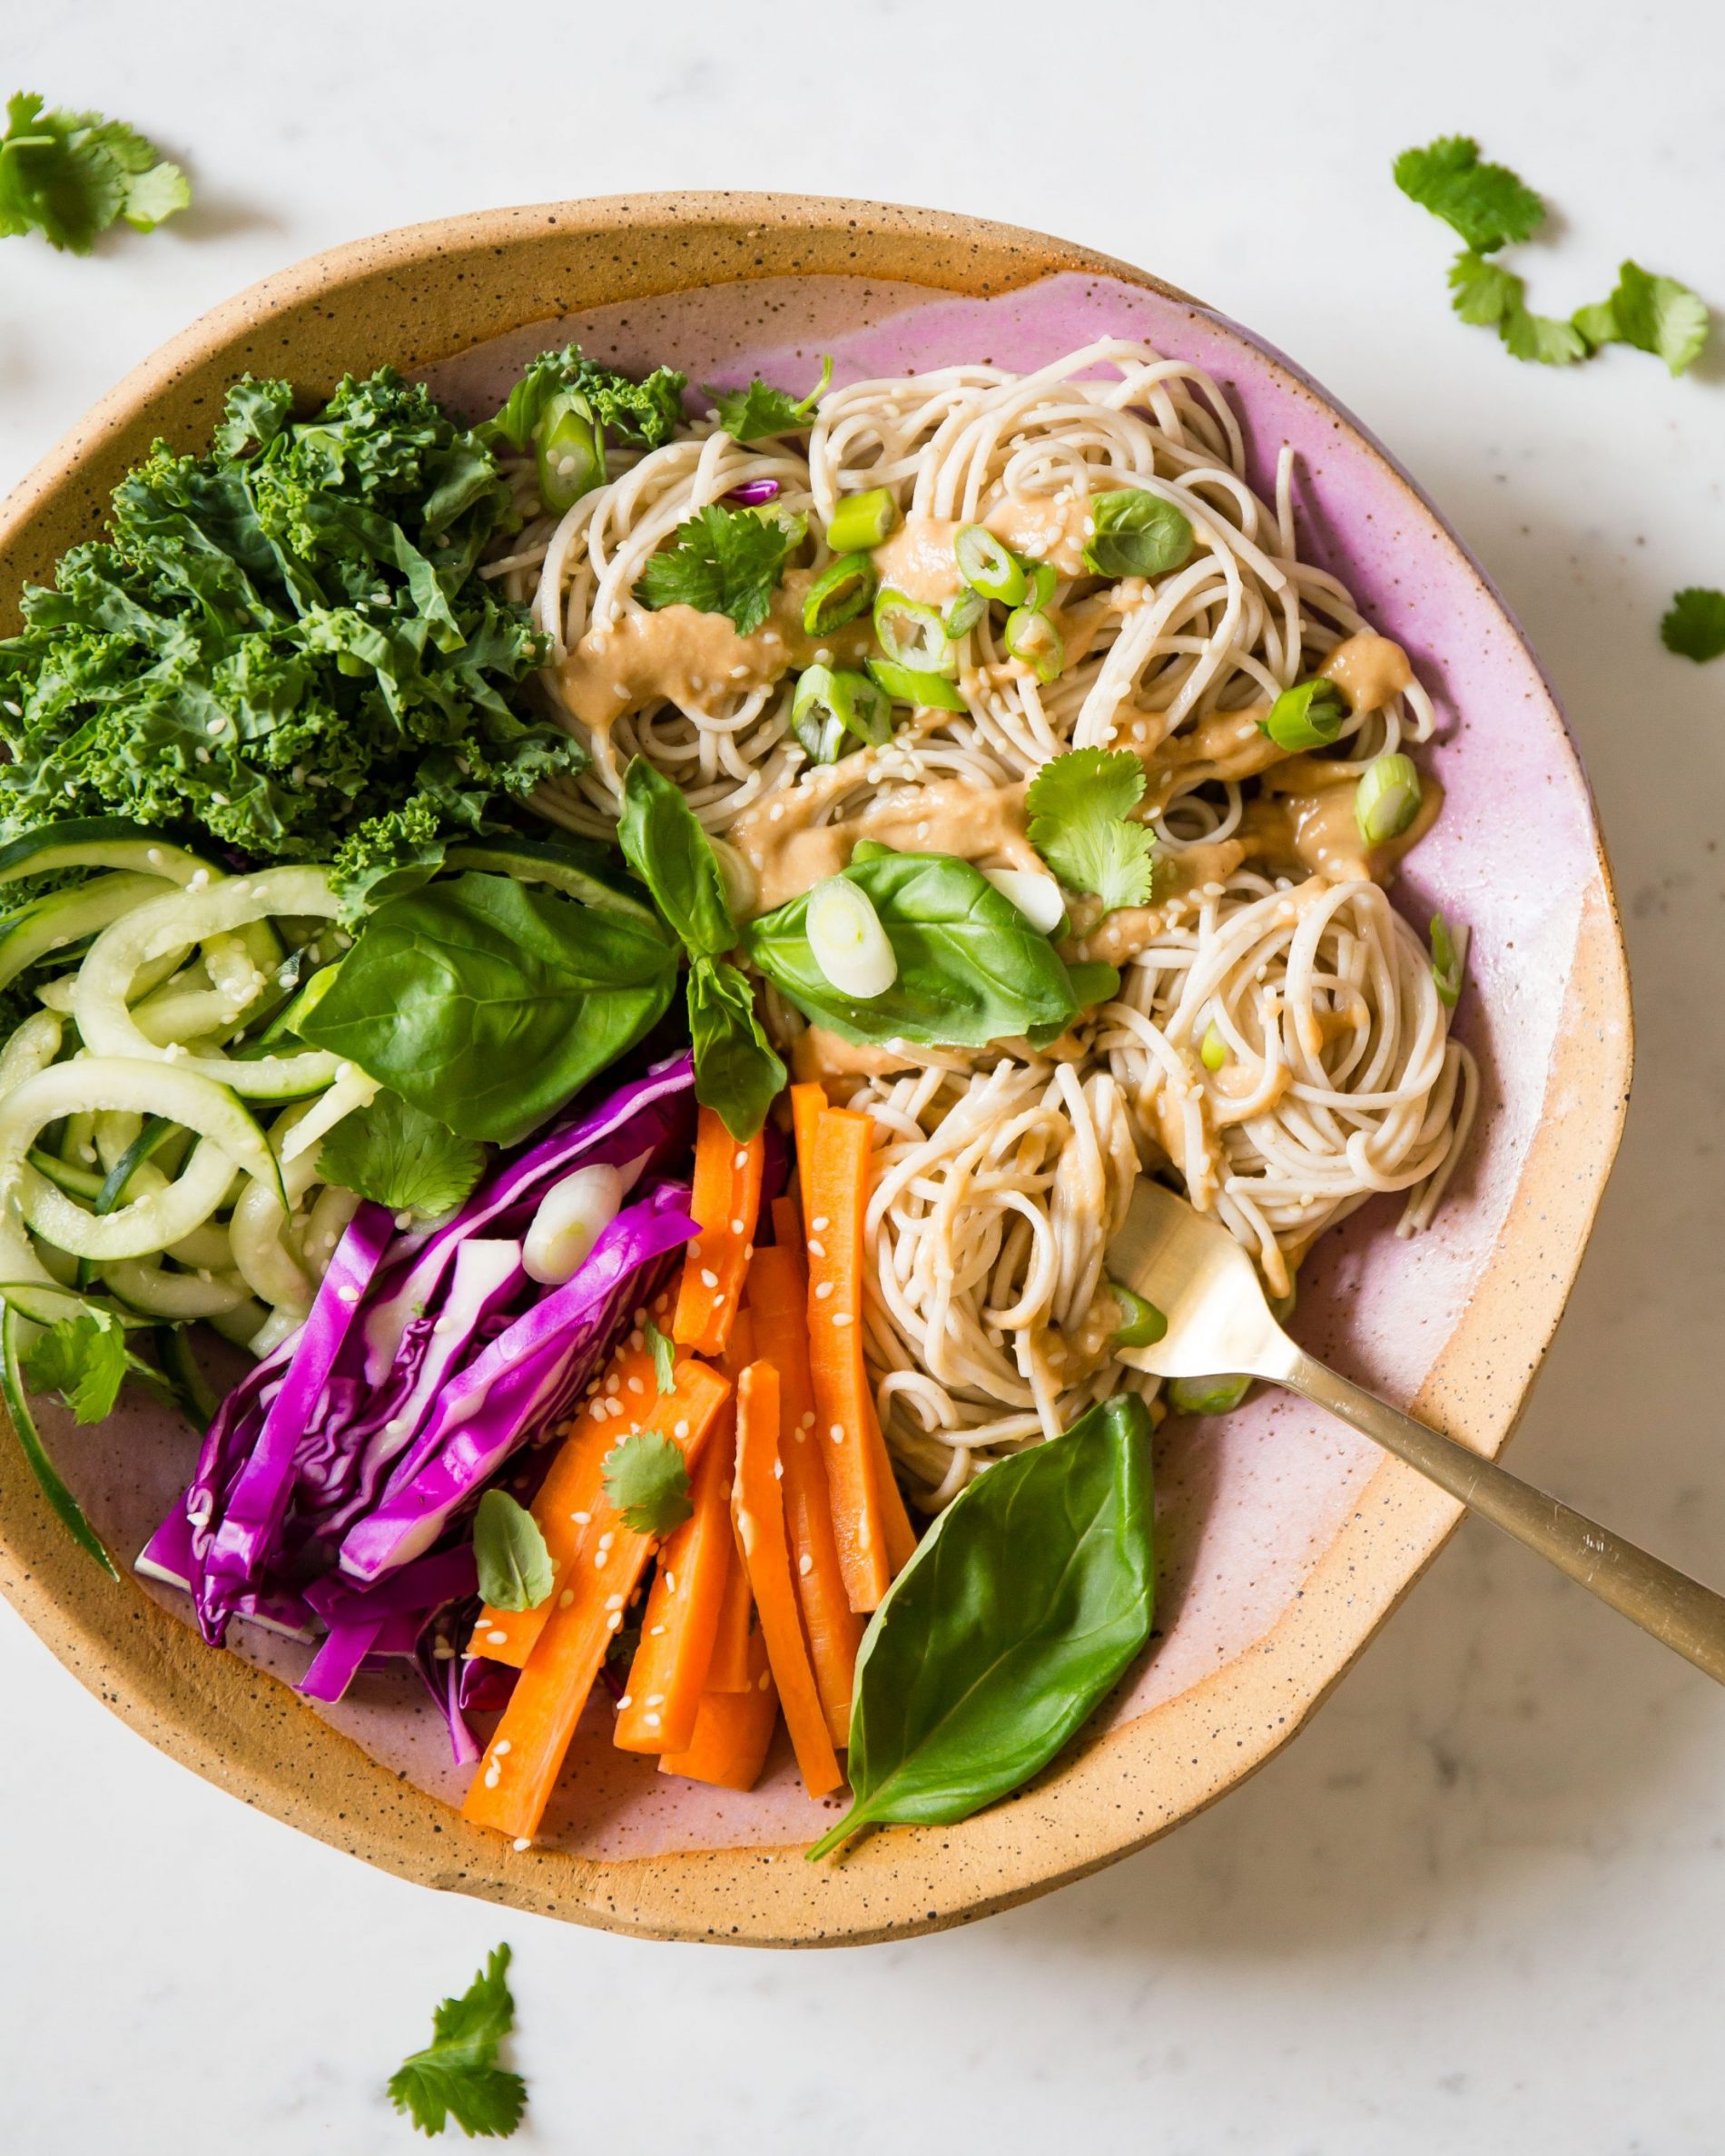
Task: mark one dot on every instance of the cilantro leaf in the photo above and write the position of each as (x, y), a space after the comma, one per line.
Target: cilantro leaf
(508, 1547)
(1694, 625)
(647, 1479)
(721, 561)
(664, 1356)
(1483, 291)
(397, 1154)
(1486, 203)
(761, 411)
(457, 2076)
(68, 175)
(1080, 806)
(1542, 338)
(1654, 314)
(85, 1360)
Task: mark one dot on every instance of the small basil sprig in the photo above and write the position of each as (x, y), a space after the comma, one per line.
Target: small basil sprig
(1136, 534)
(735, 1070)
(510, 1549)
(1009, 1627)
(971, 967)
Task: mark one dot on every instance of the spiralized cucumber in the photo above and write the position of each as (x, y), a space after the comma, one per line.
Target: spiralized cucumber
(196, 915)
(145, 1285)
(262, 1226)
(67, 917)
(149, 1224)
(100, 842)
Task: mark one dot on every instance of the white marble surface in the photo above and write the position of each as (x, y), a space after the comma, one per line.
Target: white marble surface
(1478, 1904)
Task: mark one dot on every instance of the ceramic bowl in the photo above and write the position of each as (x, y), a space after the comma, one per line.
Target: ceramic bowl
(1284, 1541)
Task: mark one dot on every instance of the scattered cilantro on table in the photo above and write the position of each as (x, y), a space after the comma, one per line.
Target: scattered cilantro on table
(1694, 625)
(69, 175)
(457, 2076)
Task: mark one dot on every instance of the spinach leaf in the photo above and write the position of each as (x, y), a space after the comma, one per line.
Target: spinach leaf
(735, 1070)
(1007, 1628)
(486, 1002)
(664, 844)
(971, 968)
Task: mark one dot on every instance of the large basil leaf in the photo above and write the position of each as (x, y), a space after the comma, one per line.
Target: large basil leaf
(971, 968)
(487, 1002)
(1010, 1625)
(675, 859)
(735, 1069)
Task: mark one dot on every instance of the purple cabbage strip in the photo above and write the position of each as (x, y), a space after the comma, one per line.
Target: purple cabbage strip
(337, 1662)
(513, 1385)
(754, 492)
(485, 1686)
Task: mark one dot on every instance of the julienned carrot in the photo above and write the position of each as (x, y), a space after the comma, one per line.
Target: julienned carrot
(808, 1105)
(732, 1731)
(787, 1224)
(669, 1675)
(729, 1669)
(515, 1778)
(565, 1503)
(835, 1189)
(759, 1506)
(778, 1302)
(901, 1536)
(726, 1197)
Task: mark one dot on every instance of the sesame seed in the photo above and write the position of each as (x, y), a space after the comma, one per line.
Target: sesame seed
(778, 1471)
(656, 1699)
(766, 1678)
(501, 1746)
(737, 1227)
(613, 1601)
(580, 1519)
(670, 1583)
(742, 1159)
(837, 1433)
(496, 1638)
(653, 1720)
(808, 1418)
(614, 1623)
(599, 1560)
(824, 1290)
(805, 1564)
(607, 1537)
(820, 1222)
(654, 1630)
(635, 1385)
(627, 1700)
(840, 1317)
(492, 1777)
(681, 1431)
(816, 1249)
(709, 1277)
(522, 1842)
(565, 1598)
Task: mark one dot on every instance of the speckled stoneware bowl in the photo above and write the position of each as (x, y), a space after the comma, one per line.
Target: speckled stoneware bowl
(1286, 1541)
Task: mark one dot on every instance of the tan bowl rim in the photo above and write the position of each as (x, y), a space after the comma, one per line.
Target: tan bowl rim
(249, 1734)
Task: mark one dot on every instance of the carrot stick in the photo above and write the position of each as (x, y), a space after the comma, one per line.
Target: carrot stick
(728, 1670)
(726, 1200)
(788, 1222)
(759, 1507)
(662, 1699)
(778, 1302)
(521, 1764)
(808, 1105)
(568, 1495)
(732, 1731)
(901, 1536)
(835, 1196)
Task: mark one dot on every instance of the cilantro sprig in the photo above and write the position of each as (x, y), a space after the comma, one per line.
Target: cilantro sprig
(399, 1156)
(83, 1359)
(1080, 808)
(69, 175)
(1491, 207)
(647, 1479)
(723, 561)
(1694, 625)
(761, 411)
(457, 2076)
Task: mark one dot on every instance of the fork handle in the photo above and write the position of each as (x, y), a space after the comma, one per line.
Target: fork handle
(1650, 1593)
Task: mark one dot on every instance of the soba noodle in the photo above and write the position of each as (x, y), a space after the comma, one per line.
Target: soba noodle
(1277, 1045)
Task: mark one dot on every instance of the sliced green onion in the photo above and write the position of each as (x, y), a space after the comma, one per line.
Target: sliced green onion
(1449, 957)
(861, 520)
(847, 941)
(568, 450)
(1036, 896)
(1207, 1396)
(963, 614)
(988, 566)
(912, 634)
(1032, 637)
(905, 684)
(1213, 1053)
(1039, 589)
(831, 704)
(1144, 1323)
(1307, 716)
(1137, 533)
(1386, 799)
(843, 590)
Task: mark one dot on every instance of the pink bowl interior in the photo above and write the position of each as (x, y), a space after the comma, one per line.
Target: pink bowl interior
(1244, 1505)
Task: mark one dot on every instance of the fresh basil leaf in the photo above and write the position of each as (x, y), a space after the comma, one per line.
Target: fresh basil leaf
(663, 840)
(515, 1566)
(486, 1002)
(396, 1155)
(1010, 1624)
(971, 968)
(1137, 533)
(736, 1072)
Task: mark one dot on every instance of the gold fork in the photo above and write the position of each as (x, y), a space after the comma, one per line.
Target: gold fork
(1218, 1322)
